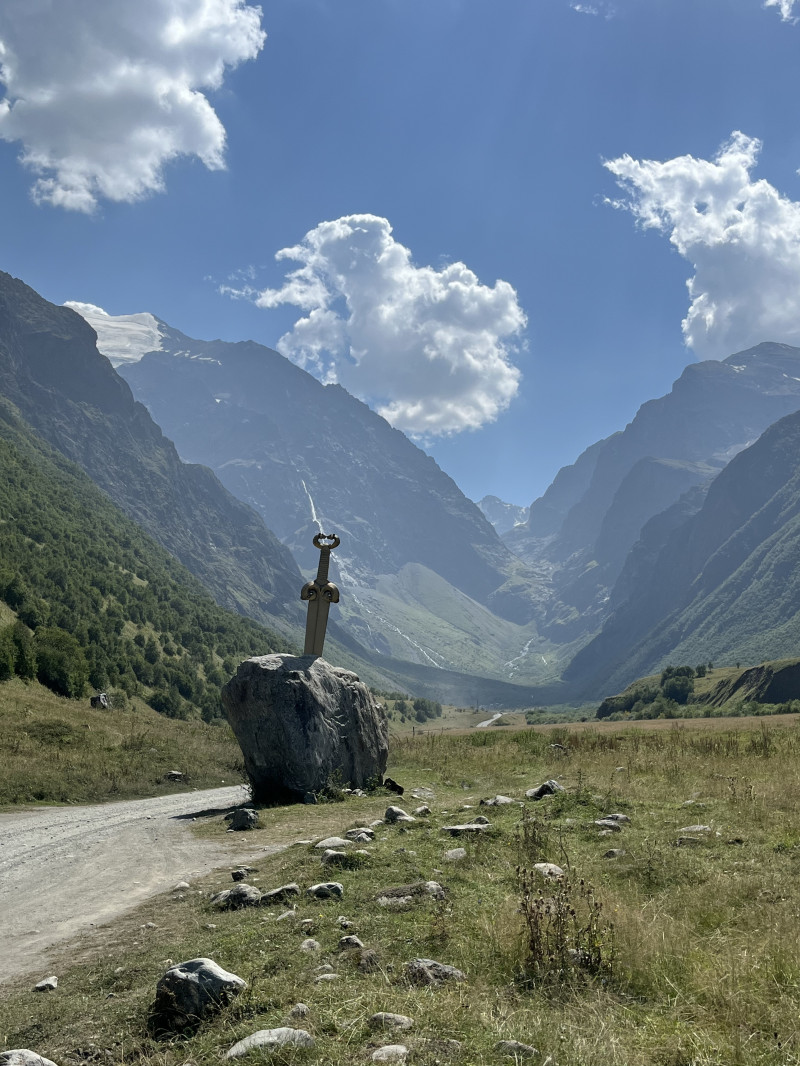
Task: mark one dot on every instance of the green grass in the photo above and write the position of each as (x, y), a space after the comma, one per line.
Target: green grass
(56, 750)
(706, 968)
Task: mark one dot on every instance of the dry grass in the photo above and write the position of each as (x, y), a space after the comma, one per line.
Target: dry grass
(706, 966)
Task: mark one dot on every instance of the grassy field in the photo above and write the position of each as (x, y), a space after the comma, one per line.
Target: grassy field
(56, 750)
(683, 954)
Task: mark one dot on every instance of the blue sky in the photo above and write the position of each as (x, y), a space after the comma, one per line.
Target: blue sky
(461, 256)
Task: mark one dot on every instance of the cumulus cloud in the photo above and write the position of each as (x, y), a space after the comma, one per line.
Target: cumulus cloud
(785, 7)
(741, 236)
(103, 93)
(429, 349)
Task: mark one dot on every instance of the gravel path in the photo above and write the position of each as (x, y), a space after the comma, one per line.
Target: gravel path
(64, 870)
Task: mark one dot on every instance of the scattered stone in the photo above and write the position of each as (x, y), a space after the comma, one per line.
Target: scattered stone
(360, 836)
(324, 968)
(271, 1038)
(621, 818)
(311, 945)
(173, 775)
(326, 890)
(23, 1057)
(358, 792)
(325, 977)
(181, 886)
(480, 819)
(335, 858)
(307, 925)
(465, 829)
(430, 972)
(348, 943)
(497, 801)
(300, 722)
(404, 894)
(608, 824)
(393, 815)
(557, 747)
(735, 840)
(548, 870)
(244, 818)
(287, 916)
(393, 786)
(423, 793)
(455, 854)
(377, 822)
(385, 1020)
(370, 961)
(390, 1053)
(696, 829)
(280, 895)
(614, 853)
(299, 1010)
(49, 984)
(422, 812)
(516, 1049)
(549, 788)
(344, 923)
(241, 873)
(233, 899)
(191, 990)
(688, 842)
(332, 842)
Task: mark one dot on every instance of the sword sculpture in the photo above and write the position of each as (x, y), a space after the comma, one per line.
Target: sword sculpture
(320, 594)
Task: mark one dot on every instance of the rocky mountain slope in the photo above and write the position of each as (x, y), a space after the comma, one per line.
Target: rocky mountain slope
(713, 578)
(51, 370)
(581, 531)
(311, 458)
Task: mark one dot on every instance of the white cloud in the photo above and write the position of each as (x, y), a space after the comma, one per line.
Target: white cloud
(429, 349)
(784, 6)
(103, 93)
(741, 236)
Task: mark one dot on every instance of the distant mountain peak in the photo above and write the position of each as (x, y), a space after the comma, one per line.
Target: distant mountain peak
(122, 338)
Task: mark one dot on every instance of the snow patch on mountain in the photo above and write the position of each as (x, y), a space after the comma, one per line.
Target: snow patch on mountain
(121, 338)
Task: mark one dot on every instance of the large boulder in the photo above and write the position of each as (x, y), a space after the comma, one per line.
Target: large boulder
(189, 991)
(302, 723)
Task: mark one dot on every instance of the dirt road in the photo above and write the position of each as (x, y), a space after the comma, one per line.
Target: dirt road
(64, 870)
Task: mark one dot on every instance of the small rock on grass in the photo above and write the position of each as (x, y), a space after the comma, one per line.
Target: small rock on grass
(332, 842)
(244, 818)
(455, 854)
(390, 1053)
(393, 815)
(280, 895)
(325, 977)
(270, 1039)
(23, 1057)
(47, 985)
(181, 886)
(387, 1020)
(497, 801)
(466, 829)
(358, 832)
(516, 1049)
(326, 890)
(608, 824)
(241, 895)
(299, 1010)
(622, 818)
(190, 990)
(549, 788)
(422, 812)
(310, 945)
(695, 829)
(430, 972)
(548, 870)
(349, 943)
(614, 853)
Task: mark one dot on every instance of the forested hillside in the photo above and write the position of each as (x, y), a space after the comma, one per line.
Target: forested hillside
(92, 601)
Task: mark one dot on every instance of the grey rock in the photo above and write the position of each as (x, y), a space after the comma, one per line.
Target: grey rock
(240, 874)
(287, 916)
(422, 812)
(497, 801)
(349, 943)
(696, 829)
(688, 842)
(623, 819)
(335, 858)
(548, 870)
(362, 838)
(608, 824)
(403, 894)
(516, 1049)
(233, 899)
(390, 1053)
(466, 829)
(422, 793)
(23, 1057)
(299, 1010)
(386, 1020)
(455, 854)
(271, 1038)
(480, 819)
(189, 991)
(394, 815)
(332, 842)
(181, 886)
(244, 818)
(300, 721)
(324, 978)
(311, 945)
(359, 833)
(173, 775)
(370, 961)
(324, 968)
(49, 984)
(280, 895)
(614, 853)
(549, 788)
(430, 972)
(344, 923)
(326, 890)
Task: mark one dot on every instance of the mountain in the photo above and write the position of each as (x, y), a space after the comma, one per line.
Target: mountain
(309, 457)
(51, 370)
(715, 577)
(86, 596)
(503, 516)
(580, 533)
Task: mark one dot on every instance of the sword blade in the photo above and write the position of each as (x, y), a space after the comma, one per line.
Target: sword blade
(316, 624)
